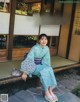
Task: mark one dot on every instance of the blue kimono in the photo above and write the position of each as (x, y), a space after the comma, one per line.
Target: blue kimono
(37, 63)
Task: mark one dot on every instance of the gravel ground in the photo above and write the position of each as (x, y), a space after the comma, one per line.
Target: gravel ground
(70, 79)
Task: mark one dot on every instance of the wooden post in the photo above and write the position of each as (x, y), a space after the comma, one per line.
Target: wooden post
(11, 29)
(39, 29)
(70, 29)
(62, 9)
(42, 8)
(52, 7)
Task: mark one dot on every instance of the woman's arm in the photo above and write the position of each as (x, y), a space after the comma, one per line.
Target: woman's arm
(24, 76)
(28, 64)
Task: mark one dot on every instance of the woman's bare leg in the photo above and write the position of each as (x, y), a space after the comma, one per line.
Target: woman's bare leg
(48, 95)
(52, 94)
(50, 90)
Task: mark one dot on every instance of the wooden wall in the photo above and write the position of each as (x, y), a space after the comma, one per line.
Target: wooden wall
(65, 30)
(75, 41)
(18, 53)
(3, 55)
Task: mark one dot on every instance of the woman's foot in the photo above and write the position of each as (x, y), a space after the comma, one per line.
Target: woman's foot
(49, 98)
(52, 94)
(54, 97)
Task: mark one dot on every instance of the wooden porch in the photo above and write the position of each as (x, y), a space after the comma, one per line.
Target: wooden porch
(58, 64)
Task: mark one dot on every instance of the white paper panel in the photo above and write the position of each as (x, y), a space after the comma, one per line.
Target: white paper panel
(25, 25)
(4, 23)
(50, 30)
(6, 1)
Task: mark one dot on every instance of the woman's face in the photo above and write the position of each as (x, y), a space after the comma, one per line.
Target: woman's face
(43, 41)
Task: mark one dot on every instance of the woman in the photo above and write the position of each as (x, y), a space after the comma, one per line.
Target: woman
(37, 63)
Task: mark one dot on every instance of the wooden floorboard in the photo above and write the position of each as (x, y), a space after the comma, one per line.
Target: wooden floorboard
(66, 67)
(14, 79)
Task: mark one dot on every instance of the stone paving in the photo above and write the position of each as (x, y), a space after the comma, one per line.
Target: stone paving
(36, 95)
(67, 81)
(70, 79)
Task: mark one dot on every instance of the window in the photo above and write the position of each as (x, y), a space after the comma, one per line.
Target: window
(24, 41)
(24, 8)
(36, 7)
(4, 5)
(21, 7)
(3, 41)
(47, 8)
(54, 42)
(21, 41)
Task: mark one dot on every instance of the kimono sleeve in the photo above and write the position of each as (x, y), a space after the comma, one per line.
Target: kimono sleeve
(46, 58)
(28, 64)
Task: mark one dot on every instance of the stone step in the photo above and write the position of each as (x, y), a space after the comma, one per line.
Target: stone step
(36, 95)
(22, 96)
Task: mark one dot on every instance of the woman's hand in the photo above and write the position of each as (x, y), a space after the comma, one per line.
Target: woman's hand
(24, 76)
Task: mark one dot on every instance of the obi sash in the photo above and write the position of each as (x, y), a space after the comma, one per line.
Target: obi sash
(38, 61)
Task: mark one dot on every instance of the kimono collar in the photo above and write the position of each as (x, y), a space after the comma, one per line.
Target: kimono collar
(40, 46)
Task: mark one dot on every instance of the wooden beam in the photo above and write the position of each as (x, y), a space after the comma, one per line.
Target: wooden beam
(32, 1)
(11, 28)
(66, 67)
